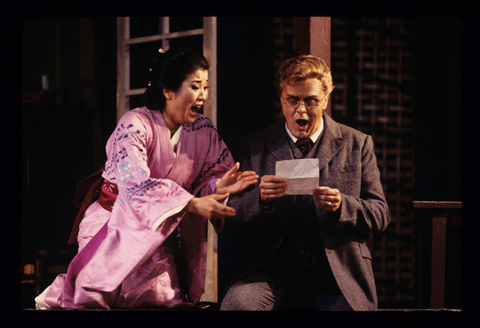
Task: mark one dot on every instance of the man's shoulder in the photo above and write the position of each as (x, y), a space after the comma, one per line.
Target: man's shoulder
(270, 132)
(345, 130)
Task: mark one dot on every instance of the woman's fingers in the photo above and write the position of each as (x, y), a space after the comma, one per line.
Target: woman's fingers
(211, 207)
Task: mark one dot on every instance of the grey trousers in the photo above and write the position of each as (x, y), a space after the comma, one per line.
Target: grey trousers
(284, 290)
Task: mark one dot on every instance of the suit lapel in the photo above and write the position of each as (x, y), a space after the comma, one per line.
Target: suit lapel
(331, 142)
(277, 142)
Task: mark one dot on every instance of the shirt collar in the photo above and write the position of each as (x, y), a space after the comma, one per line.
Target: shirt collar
(313, 137)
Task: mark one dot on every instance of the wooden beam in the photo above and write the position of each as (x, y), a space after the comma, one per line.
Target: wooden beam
(210, 110)
(437, 284)
(320, 43)
(210, 53)
(122, 29)
(320, 34)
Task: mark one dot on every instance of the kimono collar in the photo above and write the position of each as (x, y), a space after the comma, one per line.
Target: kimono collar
(174, 139)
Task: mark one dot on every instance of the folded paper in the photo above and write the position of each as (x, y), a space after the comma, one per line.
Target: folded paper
(302, 175)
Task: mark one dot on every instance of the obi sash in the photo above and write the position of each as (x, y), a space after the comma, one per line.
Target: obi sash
(89, 190)
(107, 195)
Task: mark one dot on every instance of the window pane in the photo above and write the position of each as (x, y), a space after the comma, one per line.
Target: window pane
(178, 24)
(140, 57)
(194, 42)
(144, 26)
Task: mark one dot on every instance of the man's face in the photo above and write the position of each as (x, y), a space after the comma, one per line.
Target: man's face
(301, 121)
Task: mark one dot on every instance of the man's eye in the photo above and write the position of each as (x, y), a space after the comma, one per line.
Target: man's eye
(311, 102)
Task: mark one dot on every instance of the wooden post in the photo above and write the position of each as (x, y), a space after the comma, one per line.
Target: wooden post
(437, 284)
(320, 34)
(431, 221)
(320, 45)
(210, 293)
(210, 52)
(123, 32)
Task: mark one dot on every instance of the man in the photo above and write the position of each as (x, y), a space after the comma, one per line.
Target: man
(307, 252)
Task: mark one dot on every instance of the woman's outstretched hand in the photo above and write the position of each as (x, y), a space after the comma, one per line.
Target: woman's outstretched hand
(233, 181)
(210, 207)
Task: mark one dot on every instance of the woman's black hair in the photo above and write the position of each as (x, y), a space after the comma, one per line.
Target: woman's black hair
(168, 70)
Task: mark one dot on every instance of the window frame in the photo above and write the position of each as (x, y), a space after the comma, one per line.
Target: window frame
(124, 92)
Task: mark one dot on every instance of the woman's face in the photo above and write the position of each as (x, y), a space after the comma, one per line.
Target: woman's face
(182, 106)
(301, 122)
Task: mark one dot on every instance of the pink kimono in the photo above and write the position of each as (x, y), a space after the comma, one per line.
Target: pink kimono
(145, 252)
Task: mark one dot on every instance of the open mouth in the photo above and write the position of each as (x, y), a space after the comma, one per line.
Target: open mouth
(195, 109)
(302, 123)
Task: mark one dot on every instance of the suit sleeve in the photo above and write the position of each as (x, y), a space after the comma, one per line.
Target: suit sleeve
(369, 212)
(246, 203)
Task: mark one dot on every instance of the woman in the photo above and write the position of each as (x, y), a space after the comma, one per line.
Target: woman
(142, 243)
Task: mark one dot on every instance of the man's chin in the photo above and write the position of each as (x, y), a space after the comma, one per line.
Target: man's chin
(300, 134)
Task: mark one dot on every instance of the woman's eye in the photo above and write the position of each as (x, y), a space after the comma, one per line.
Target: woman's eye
(195, 87)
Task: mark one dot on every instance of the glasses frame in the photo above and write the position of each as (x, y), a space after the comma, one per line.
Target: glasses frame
(298, 103)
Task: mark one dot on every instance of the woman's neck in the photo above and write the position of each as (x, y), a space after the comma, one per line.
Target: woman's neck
(172, 127)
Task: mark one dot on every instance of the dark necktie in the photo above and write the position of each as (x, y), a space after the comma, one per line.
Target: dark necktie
(304, 144)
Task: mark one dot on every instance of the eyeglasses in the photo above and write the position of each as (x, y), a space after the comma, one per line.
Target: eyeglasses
(310, 104)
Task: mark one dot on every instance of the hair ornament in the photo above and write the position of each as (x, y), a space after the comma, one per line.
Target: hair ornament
(160, 50)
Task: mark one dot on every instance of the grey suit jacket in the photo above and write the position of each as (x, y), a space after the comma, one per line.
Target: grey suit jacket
(348, 163)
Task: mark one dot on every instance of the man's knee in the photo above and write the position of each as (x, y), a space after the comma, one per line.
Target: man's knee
(251, 296)
(236, 300)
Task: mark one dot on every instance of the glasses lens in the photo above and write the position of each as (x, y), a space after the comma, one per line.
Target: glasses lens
(311, 104)
(292, 102)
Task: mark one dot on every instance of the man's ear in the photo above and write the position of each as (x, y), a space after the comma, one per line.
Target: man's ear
(325, 104)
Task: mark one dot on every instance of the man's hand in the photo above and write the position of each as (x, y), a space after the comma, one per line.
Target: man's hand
(327, 198)
(272, 187)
